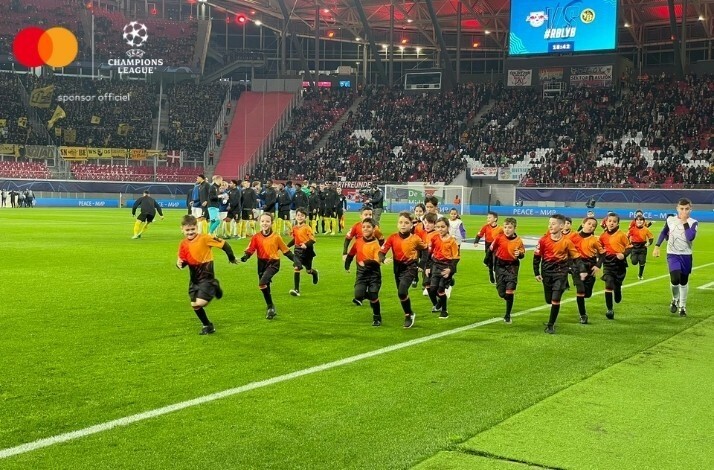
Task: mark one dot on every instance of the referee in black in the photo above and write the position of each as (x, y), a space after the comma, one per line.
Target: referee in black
(148, 209)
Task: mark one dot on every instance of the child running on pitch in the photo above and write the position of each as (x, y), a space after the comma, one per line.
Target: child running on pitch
(640, 237)
(195, 252)
(552, 260)
(591, 251)
(269, 246)
(444, 254)
(489, 232)
(418, 230)
(425, 260)
(304, 241)
(508, 251)
(458, 231)
(617, 247)
(356, 231)
(405, 247)
(680, 231)
(369, 272)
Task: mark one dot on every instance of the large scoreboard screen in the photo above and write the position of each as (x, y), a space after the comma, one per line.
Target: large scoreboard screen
(562, 26)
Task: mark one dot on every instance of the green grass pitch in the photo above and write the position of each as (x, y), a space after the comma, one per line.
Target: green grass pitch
(97, 327)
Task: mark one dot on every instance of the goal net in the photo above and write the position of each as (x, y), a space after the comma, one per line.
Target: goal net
(403, 197)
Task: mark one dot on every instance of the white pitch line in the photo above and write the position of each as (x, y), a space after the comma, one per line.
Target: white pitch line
(70, 436)
(707, 286)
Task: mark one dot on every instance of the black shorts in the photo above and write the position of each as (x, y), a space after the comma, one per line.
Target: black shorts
(312, 215)
(246, 214)
(555, 282)
(437, 279)
(146, 217)
(329, 213)
(638, 255)
(405, 274)
(233, 215)
(614, 273)
(506, 276)
(284, 215)
(267, 268)
(488, 256)
(368, 279)
(305, 255)
(205, 290)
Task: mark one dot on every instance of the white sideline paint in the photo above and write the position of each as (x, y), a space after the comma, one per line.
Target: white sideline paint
(709, 286)
(70, 436)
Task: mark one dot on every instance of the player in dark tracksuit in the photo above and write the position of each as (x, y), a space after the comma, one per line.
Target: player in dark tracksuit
(149, 207)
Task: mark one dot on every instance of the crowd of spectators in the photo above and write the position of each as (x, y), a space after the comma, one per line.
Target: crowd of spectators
(412, 136)
(317, 114)
(653, 133)
(137, 113)
(193, 112)
(17, 126)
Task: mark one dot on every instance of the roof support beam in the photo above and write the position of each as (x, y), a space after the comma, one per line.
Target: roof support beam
(448, 71)
(370, 37)
(296, 44)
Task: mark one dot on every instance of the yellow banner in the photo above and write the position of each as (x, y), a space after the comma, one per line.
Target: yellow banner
(123, 129)
(22, 121)
(3, 122)
(73, 153)
(58, 132)
(160, 154)
(9, 149)
(96, 120)
(137, 154)
(118, 153)
(42, 97)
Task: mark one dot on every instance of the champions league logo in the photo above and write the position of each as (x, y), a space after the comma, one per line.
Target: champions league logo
(135, 35)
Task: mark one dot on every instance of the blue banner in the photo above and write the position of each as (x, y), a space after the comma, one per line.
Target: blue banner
(164, 203)
(616, 195)
(562, 26)
(68, 202)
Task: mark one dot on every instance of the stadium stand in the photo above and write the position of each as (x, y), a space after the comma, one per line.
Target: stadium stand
(193, 111)
(317, 114)
(255, 116)
(26, 170)
(16, 130)
(411, 137)
(137, 112)
(102, 172)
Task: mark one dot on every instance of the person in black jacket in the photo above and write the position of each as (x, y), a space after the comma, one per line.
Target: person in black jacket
(249, 202)
(271, 198)
(300, 199)
(377, 202)
(340, 210)
(314, 205)
(234, 208)
(331, 201)
(198, 201)
(149, 207)
(284, 202)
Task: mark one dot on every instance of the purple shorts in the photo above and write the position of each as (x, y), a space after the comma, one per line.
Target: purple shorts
(681, 263)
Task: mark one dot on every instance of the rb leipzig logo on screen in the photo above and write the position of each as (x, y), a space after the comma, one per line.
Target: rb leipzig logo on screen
(34, 47)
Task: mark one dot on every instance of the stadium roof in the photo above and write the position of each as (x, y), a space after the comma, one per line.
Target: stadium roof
(641, 22)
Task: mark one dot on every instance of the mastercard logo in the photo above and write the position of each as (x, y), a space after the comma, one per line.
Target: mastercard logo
(34, 47)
